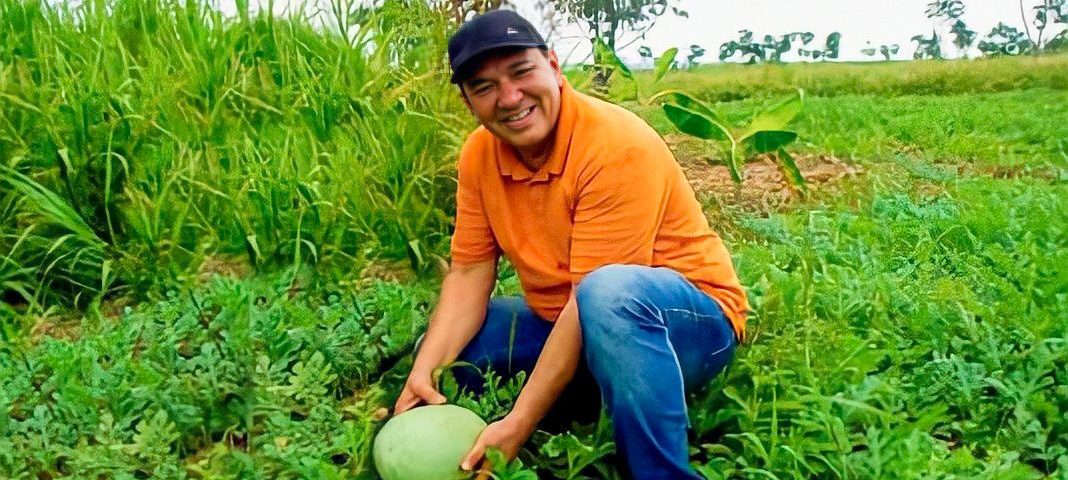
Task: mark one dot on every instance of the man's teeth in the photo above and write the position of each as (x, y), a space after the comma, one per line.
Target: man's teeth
(520, 115)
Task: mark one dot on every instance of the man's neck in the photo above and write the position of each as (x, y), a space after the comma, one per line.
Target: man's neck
(536, 157)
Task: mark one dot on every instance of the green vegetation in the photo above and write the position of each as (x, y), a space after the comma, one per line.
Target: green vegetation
(764, 133)
(218, 240)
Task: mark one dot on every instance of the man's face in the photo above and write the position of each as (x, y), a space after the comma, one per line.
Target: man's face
(516, 95)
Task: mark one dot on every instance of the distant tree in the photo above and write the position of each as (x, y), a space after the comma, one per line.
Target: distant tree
(952, 9)
(1005, 40)
(950, 12)
(1046, 13)
(886, 51)
(928, 47)
(963, 38)
(696, 51)
(830, 48)
(772, 47)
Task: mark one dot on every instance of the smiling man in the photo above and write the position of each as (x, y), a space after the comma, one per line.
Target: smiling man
(629, 297)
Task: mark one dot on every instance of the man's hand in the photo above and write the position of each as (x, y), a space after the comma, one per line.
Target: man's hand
(507, 434)
(418, 389)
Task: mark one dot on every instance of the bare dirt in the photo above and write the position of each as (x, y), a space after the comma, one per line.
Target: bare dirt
(763, 186)
(224, 266)
(60, 327)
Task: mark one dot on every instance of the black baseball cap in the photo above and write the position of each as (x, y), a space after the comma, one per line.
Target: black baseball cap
(486, 32)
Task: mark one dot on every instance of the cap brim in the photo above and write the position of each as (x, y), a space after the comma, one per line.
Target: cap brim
(463, 68)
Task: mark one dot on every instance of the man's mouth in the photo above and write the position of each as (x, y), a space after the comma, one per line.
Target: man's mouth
(519, 116)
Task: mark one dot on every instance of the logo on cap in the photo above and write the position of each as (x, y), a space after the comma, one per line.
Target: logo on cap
(511, 31)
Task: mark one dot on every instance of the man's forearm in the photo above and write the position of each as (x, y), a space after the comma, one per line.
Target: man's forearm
(555, 367)
(458, 314)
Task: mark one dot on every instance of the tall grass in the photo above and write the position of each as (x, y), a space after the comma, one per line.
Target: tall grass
(156, 134)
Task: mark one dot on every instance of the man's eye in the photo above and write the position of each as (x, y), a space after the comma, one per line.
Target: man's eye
(525, 71)
(482, 89)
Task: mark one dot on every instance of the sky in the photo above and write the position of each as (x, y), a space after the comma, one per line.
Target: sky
(713, 22)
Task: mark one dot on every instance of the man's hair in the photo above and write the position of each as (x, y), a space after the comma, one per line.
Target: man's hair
(477, 62)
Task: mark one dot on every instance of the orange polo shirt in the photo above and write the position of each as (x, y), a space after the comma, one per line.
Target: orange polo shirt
(610, 192)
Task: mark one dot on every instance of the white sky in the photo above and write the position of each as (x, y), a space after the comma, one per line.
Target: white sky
(712, 22)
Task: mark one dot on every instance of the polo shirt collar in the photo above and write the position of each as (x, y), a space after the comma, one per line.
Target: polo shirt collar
(508, 162)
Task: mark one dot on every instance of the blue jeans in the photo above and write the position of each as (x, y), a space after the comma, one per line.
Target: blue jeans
(648, 337)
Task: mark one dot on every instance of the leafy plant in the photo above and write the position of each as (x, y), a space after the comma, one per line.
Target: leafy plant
(607, 20)
(764, 132)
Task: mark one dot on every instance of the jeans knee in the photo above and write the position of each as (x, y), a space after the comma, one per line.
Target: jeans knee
(606, 297)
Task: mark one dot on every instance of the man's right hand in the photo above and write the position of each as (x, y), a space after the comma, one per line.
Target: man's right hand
(418, 389)
(456, 319)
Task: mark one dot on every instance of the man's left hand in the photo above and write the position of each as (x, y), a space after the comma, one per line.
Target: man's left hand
(507, 434)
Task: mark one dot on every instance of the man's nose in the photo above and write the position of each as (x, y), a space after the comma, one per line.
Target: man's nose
(511, 96)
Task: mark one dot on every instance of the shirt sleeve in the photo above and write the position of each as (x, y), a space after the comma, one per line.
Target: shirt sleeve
(619, 208)
(472, 240)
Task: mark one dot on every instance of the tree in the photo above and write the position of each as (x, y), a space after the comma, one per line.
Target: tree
(1005, 40)
(928, 47)
(1049, 11)
(772, 48)
(885, 50)
(696, 51)
(607, 20)
(963, 38)
(947, 11)
(830, 48)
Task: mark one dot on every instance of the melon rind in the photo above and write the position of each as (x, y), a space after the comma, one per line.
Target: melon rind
(426, 443)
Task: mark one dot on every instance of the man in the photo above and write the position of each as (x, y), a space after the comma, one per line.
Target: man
(623, 279)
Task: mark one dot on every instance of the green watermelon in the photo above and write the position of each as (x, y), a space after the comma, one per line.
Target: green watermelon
(426, 443)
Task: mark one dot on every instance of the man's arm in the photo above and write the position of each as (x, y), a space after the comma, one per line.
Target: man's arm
(456, 318)
(554, 369)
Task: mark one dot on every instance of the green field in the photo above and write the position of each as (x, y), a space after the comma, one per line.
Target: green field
(219, 240)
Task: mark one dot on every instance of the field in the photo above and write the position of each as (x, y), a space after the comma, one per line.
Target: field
(219, 239)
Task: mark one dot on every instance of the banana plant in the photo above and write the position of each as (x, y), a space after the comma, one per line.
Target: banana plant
(606, 58)
(765, 132)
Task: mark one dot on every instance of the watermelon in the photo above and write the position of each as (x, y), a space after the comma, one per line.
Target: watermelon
(426, 443)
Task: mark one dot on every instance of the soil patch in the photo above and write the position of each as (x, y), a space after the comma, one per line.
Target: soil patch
(68, 327)
(225, 266)
(763, 186)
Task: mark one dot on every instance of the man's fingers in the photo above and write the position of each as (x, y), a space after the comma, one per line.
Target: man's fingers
(474, 455)
(404, 404)
(484, 471)
(431, 396)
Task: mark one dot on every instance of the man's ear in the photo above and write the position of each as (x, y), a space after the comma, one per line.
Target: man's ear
(554, 64)
(467, 101)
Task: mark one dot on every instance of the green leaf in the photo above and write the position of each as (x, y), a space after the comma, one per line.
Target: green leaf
(775, 117)
(695, 123)
(604, 55)
(786, 162)
(663, 64)
(767, 141)
(50, 205)
(684, 100)
(734, 163)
